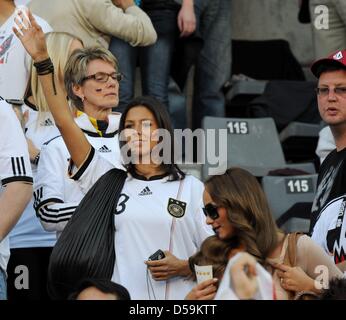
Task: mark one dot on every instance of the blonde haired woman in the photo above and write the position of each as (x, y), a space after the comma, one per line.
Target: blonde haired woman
(30, 244)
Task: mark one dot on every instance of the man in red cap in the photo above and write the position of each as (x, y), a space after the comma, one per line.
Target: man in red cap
(329, 207)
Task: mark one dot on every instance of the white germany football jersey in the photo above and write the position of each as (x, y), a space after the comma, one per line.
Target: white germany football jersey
(28, 232)
(14, 161)
(56, 195)
(143, 225)
(14, 60)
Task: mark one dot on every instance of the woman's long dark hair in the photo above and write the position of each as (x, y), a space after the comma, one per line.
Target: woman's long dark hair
(247, 208)
(163, 122)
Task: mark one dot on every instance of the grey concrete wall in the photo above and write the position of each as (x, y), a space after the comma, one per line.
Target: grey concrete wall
(272, 19)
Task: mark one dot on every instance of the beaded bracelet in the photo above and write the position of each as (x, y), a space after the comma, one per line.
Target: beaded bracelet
(46, 67)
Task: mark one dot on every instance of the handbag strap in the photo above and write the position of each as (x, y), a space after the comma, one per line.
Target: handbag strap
(181, 183)
(290, 258)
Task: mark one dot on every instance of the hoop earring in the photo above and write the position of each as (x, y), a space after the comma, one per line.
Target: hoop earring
(82, 98)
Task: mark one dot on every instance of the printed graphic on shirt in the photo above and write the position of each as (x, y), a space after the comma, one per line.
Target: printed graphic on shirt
(123, 198)
(104, 148)
(324, 189)
(145, 192)
(4, 47)
(38, 194)
(336, 237)
(47, 123)
(176, 208)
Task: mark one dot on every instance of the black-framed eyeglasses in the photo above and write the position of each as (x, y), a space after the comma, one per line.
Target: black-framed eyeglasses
(210, 210)
(103, 77)
(324, 91)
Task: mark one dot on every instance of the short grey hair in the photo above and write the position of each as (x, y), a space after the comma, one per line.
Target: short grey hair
(76, 68)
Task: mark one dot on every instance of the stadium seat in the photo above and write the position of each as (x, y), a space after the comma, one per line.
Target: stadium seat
(299, 141)
(252, 144)
(260, 60)
(240, 93)
(290, 199)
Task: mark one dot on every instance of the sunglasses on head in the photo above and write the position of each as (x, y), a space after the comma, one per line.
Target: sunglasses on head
(210, 210)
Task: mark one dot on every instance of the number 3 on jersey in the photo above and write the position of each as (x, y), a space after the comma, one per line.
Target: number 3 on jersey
(122, 203)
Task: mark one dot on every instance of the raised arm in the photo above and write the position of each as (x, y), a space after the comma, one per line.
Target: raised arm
(33, 40)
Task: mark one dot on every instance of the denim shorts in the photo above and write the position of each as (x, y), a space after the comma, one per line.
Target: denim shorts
(3, 287)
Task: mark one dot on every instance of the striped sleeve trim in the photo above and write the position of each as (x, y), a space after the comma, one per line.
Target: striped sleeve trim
(38, 203)
(6, 181)
(83, 167)
(18, 166)
(56, 222)
(49, 215)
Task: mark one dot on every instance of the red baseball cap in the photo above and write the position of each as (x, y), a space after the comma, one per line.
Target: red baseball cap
(337, 59)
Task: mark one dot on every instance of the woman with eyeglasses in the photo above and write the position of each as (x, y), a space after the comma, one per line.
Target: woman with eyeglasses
(91, 82)
(236, 208)
(159, 206)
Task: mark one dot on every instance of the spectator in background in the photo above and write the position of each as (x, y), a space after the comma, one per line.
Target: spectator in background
(56, 195)
(14, 61)
(30, 244)
(16, 182)
(210, 50)
(328, 22)
(328, 223)
(236, 207)
(137, 126)
(169, 18)
(213, 67)
(95, 21)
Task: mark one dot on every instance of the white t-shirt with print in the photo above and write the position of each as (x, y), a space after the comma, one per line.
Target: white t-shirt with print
(56, 195)
(330, 229)
(144, 225)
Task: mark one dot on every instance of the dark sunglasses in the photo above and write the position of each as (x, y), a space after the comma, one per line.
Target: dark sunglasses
(210, 210)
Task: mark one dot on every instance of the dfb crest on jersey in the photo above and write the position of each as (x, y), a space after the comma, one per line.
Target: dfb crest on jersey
(176, 208)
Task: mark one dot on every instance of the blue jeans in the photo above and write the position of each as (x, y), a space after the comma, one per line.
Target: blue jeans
(3, 287)
(213, 67)
(154, 60)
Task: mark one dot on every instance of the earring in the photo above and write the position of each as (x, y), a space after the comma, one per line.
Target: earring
(82, 98)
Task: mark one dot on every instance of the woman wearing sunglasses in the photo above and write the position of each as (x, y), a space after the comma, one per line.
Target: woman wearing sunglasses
(236, 207)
